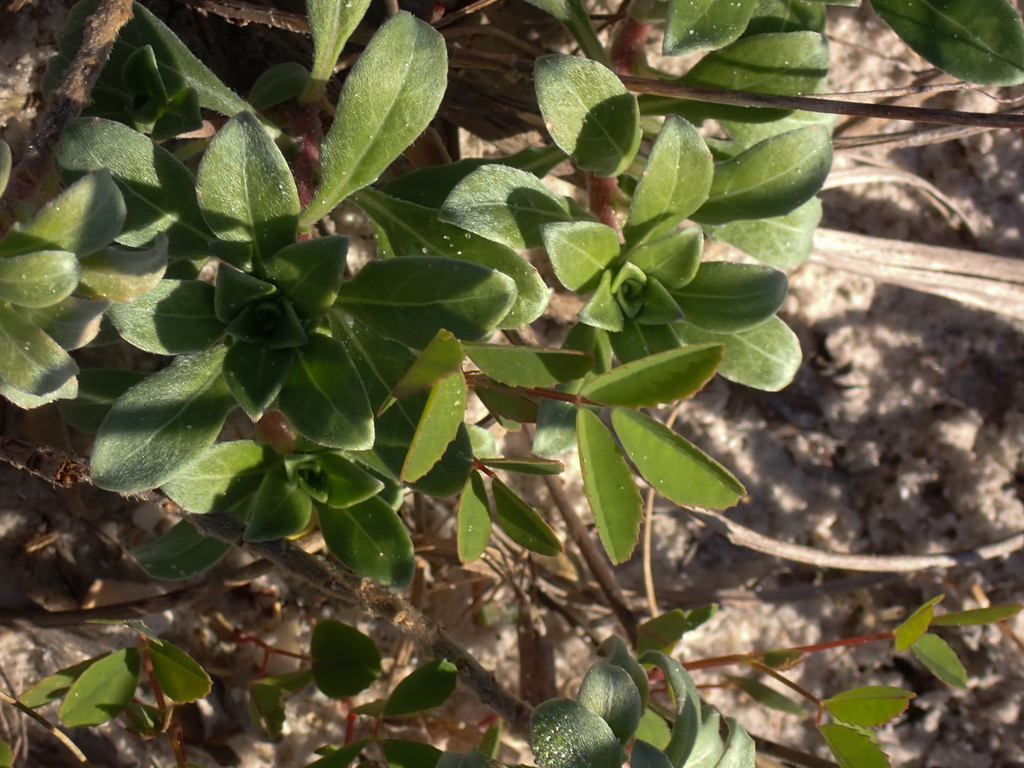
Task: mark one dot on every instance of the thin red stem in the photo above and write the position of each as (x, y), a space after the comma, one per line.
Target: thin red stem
(763, 668)
(602, 191)
(174, 733)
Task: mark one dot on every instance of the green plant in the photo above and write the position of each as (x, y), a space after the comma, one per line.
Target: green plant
(357, 379)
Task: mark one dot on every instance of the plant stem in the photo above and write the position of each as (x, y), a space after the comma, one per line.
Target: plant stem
(602, 191)
(629, 47)
(764, 669)
(173, 734)
(61, 736)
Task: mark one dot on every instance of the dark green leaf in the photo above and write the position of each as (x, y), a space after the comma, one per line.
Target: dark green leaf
(580, 251)
(345, 661)
(102, 691)
(635, 342)
(588, 112)
(602, 311)
(657, 305)
(772, 178)
(340, 758)
(788, 16)
(608, 482)
(556, 424)
(255, 374)
(425, 688)
(508, 206)
(439, 423)
(71, 323)
(989, 615)
(281, 509)
(644, 755)
(521, 523)
(610, 692)
(703, 25)
(370, 539)
(331, 23)
(613, 651)
(324, 399)
(781, 241)
(566, 734)
(673, 259)
(662, 378)
(224, 475)
(526, 466)
(309, 273)
(53, 687)
(916, 624)
(935, 653)
(347, 483)
(181, 553)
(176, 317)
(388, 99)
(271, 323)
(281, 82)
(178, 673)
(245, 189)
(38, 279)
(676, 181)
(410, 754)
(662, 632)
(767, 697)
(68, 390)
(29, 359)
(98, 388)
(853, 748)
(235, 290)
(265, 705)
(674, 467)
(766, 357)
(162, 424)
(725, 297)
(441, 358)
(509, 404)
(182, 115)
(146, 722)
(981, 41)
(474, 519)
(410, 299)
(159, 192)
(120, 275)
(529, 366)
(870, 706)
(687, 727)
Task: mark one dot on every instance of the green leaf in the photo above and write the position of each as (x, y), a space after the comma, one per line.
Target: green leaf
(989, 615)
(613, 651)
(766, 357)
(324, 399)
(178, 673)
(424, 688)
(661, 633)
(439, 423)
(654, 730)
(340, 758)
(162, 424)
(675, 182)
(224, 476)
(331, 24)
(767, 697)
(602, 311)
(739, 747)
(412, 230)
(98, 388)
(245, 189)
(281, 509)
(566, 734)
(236, 290)
(526, 466)
(158, 191)
(608, 483)
(347, 483)
(6, 163)
(181, 553)
(176, 317)
(673, 259)
(521, 523)
(410, 299)
(345, 661)
(662, 378)
(644, 755)
(556, 424)
(309, 273)
(441, 358)
(725, 297)
(410, 754)
(916, 624)
(780, 241)
(38, 279)
(529, 366)
(281, 82)
(704, 25)
(84, 218)
(265, 704)
(588, 112)
(29, 359)
(772, 178)
(673, 466)
(657, 305)
(573, 15)
(870, 706)
(635, 341)
(508, 206)
(255, 374)
(146, 722)
(388, 99)
(687, 727)
(852, 748)
(610, 692)
(474, 519)
(370, 539)
(580, 251)
(102, 691)
(981, 41)
(271, 323)
(6, 755)
(68, 390)
(53, 687)
(120, 275)
(72, 323)
(935, 653)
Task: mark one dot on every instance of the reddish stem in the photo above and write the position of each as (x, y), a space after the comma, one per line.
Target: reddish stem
(602, 191)
(629, 46)
(747, 658)
(305, 128)
(174, 733)
(268, 650)
(786, 682)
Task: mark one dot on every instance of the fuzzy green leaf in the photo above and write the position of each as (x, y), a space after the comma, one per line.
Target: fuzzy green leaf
(181, 553)
(281, 82)
(98, 388)
(935, 653)
(255, 373)
(370, 539)
(236, 290)
(610, 692)
(566, 734)
(474, 519)
(703, 25)
(580, 251)
(673, 259)
(780, 241)
(725, 297)
(178, 673)
(102, 691)
(38, 279)
(425, 688)
(29, 359)
(916, 624)
(281, 509)
(176, 317)
(852, 748)
(309, 273)
(331, 24)
(870, 706)
(687, 727)
(72, 323)
(224, 476)
(529, 366)
(521, 523)
(345, 661)
(602, 311)
(439, 423)
(662, 378)
(120, 275)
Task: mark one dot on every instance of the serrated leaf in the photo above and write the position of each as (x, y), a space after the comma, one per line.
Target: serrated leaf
(410, 299)
(702, 25)
(474, 519)
(525, 466)
(181, 553)
(441, 358)
(281, 509)
(588, 112)
(672, 259)
(767, 697)
(662, 378)
(38, 279)
(981, 41)
(410, 754)
(53, 687)
(566, 734)
(608, 482)
(331, 23)
(935, 653)
(728, 298)
(766, 357)
(521, 523)
(779, 241)
(424, 688)
(772, 178)
(162, 424)
(852, 748)
(610, 692)
(976, 616)
(120, 275)
(439, 423)
(245, 189)
(370, 539)
(345, 661)
(661, 633)
(386, 102)
(508, 206)
(98, 388)
(176, 317)
(29, 359)
(675, 182)
(324, 399)
(916, 624)
(673, 466)
(580, 251)
(178, 673)
(225, 475)
(870, 706)
(528, 366)
(309, 273)
(255, 373)
(102, 691)
(158, 191)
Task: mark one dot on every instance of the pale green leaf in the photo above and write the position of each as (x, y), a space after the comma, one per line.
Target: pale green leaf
(29, 359)
(474, 519)
(180, 677)
(102, 691)
(225, 475)
(870, 706)
(439, 424)
(780, 241)
(662, 378)
(935, 653)
(580, 251)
